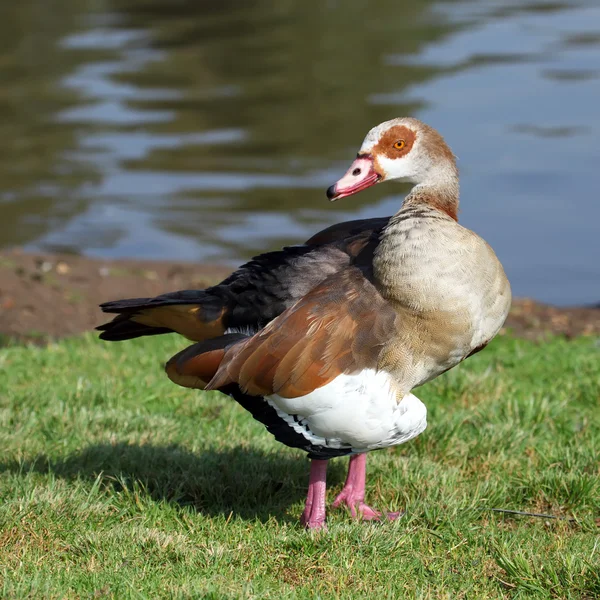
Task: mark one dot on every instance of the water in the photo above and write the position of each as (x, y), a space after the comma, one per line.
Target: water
(195, 130)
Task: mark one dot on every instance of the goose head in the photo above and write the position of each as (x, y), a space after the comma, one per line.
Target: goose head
(403, 149)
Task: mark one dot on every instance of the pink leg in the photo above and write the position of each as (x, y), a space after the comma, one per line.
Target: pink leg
(313, 516)
(353, 493)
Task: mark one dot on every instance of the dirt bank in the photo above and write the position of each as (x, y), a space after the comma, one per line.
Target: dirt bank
(50, 296)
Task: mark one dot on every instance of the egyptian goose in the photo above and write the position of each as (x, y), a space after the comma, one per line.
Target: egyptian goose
(324, 342)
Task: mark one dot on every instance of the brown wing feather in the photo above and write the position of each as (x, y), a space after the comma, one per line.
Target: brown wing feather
(339, 327)
(186, 319)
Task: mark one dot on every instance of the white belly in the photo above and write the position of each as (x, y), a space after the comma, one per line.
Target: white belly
(358, 411)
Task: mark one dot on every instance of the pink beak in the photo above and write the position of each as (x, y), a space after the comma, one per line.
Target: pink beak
(359, 176)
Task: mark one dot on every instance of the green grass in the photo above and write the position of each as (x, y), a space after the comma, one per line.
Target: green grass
(116, 483)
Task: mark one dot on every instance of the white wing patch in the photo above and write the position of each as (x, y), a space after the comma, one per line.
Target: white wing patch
(354, 411)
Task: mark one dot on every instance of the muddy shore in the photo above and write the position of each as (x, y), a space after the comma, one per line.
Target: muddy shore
(51, 296)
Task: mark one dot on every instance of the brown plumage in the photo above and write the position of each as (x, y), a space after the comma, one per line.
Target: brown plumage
(339, 327)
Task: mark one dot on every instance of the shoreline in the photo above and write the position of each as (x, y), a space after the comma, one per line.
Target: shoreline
(49, 296)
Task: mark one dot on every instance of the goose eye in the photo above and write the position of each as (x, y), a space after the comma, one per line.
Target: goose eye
(399, 144)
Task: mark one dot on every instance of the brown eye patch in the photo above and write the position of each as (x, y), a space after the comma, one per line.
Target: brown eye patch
(397, 141)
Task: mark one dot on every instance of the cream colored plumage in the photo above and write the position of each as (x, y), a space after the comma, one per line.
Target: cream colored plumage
(445, 283)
